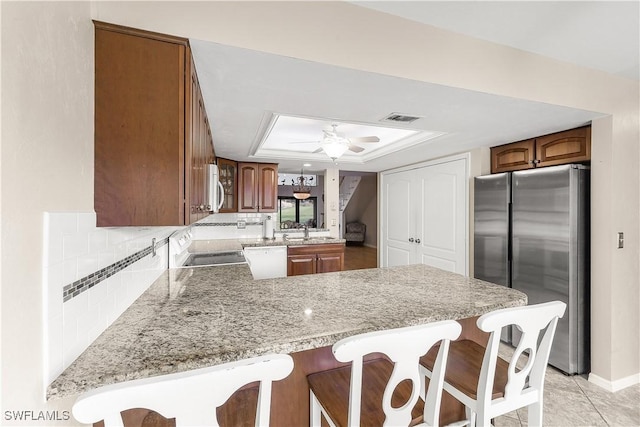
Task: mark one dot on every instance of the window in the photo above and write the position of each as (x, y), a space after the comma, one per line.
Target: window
(294, 213)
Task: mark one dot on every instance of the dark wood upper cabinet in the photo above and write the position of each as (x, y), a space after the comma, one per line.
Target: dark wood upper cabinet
(512, 157)
(571, 146)
(228, 170)
(268, 182)
(257, 187)
(152, 140)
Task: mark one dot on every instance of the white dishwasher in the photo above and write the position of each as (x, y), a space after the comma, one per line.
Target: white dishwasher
(267, 262)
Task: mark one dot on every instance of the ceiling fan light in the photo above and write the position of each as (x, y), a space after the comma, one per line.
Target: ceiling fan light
(335, 149)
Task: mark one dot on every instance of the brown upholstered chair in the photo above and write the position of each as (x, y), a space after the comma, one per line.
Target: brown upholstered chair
(355, 232)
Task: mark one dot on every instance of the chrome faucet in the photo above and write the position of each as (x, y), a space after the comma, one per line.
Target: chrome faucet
(306, 232)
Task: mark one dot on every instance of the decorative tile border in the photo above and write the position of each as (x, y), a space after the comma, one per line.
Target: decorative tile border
(79, 286)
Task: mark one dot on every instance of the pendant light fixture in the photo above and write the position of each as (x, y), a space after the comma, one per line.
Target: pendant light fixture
(301, 189)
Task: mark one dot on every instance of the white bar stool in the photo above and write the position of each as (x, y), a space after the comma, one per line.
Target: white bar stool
(488, 385)
(190, 397)
(376, 392)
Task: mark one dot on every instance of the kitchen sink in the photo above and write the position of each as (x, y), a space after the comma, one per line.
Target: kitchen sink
(300, 239)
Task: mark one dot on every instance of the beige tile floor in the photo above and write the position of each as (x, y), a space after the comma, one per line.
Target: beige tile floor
(574, 401)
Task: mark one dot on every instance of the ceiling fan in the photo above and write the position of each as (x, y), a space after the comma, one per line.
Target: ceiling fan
(335, 143)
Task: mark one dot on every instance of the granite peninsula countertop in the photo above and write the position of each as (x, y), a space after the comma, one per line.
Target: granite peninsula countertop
(196, 317)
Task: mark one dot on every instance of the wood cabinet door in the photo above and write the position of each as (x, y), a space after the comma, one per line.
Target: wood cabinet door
(139, 128)
(513, 157)
(268, 183)
(572, 146)
(328, 262)
(257, 187)
(301, 264)
(193, 148)
(248, 200)
(201, 153)
(228, 170)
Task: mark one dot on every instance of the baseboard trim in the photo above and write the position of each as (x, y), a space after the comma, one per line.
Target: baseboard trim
(370, 246)
(617, 385)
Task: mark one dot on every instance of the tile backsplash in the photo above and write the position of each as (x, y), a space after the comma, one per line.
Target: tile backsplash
(225, 226)
(90, 276)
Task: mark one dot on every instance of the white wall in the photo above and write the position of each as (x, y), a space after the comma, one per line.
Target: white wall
(47, 138)
(47, 165)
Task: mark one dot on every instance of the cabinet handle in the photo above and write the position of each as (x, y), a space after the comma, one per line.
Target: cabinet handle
(411, 239)
(417, 240)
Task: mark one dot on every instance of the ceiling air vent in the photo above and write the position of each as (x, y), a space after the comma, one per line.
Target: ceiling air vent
(399, 118)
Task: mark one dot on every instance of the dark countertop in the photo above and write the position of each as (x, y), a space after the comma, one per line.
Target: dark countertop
(196, 317)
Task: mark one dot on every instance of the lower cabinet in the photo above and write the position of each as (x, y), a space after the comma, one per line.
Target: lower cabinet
(311, 259)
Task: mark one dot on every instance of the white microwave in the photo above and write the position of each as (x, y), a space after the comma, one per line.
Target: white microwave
(216, 191)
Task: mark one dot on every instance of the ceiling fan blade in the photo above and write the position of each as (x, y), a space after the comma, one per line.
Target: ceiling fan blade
(319, 150)
(365, 139)
(355, 148)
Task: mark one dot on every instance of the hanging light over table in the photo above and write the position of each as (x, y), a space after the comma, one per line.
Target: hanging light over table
(301, 190)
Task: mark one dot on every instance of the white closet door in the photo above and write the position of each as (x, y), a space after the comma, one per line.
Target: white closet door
(424, 216)
(398, 222)
(442, 225)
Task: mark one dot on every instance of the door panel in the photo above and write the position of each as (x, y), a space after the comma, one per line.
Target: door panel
(541, 242)
(492, 198)
(443, 225)
(397, 222)
(398, 256)
(445, 264)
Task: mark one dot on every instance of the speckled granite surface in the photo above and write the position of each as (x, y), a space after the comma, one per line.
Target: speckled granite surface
(191, 318)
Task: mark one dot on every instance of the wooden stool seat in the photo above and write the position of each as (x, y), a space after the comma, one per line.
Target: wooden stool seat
(332, 389)
(463, 368)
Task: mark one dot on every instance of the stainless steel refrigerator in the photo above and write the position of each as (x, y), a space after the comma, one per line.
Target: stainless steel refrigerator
(531, 233)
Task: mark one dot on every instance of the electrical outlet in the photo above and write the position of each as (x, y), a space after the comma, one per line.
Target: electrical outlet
(333, 222)
(242, 224)
(620, 240)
